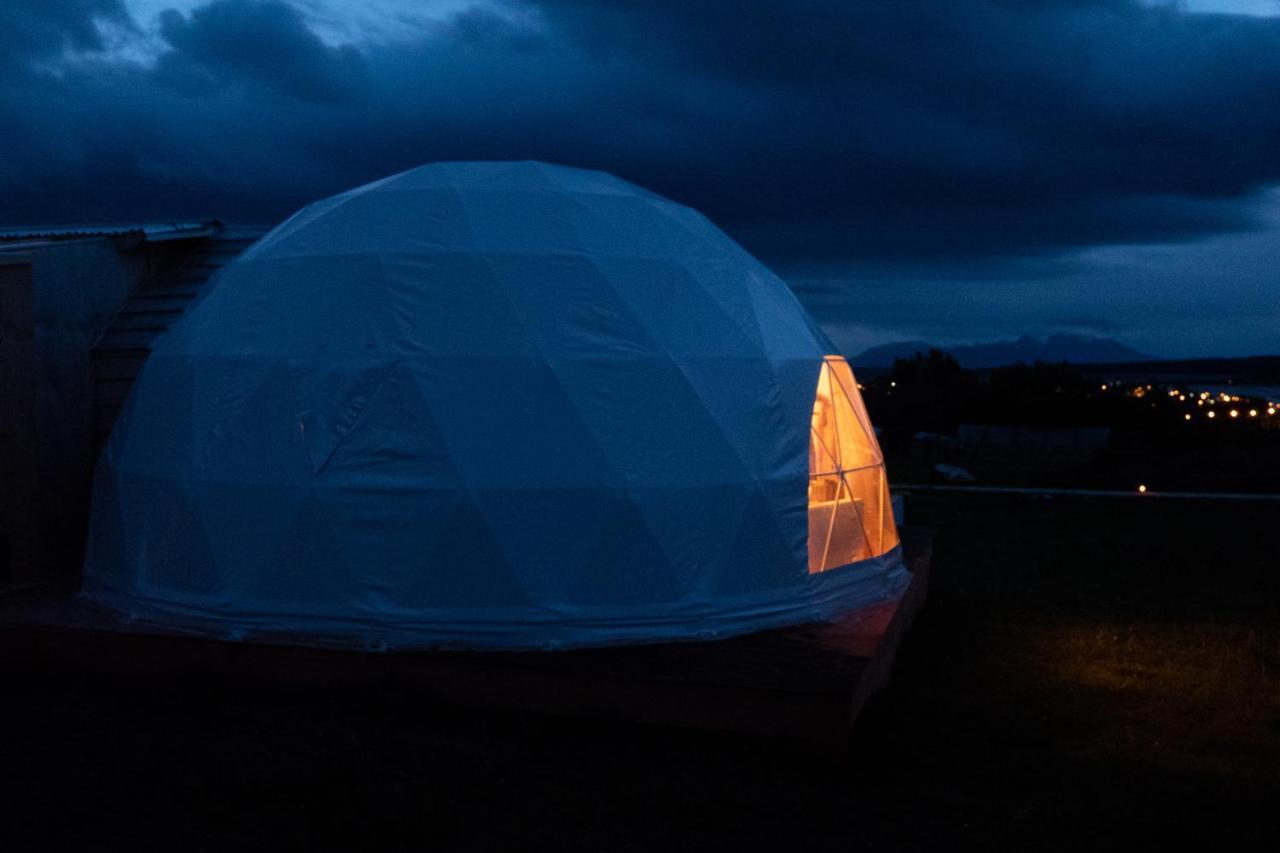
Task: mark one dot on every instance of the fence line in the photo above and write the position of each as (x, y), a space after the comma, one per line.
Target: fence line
(1082, 493)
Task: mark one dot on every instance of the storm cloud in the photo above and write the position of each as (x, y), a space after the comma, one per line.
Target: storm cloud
(825, 135)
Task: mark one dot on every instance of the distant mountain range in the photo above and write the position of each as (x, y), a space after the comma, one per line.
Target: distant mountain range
(1074, 349)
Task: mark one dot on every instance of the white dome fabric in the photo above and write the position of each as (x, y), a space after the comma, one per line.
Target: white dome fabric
(489, 405)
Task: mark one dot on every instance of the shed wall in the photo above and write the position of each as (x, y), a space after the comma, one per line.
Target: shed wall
(57, 300)
(17, 419)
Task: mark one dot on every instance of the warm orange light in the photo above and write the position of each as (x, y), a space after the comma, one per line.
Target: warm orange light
(1271, 410)
(1142, 489)
(1212, 413)
(1253, 413)
(1235, 413)
(850, 517)
(1186, 417)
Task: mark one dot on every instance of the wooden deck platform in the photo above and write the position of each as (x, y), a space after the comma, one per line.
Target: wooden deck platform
(806, 682)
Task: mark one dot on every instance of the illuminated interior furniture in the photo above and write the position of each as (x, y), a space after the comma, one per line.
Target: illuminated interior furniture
(850, 517)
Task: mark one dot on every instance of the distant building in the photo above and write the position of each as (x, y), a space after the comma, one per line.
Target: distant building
(79, 310)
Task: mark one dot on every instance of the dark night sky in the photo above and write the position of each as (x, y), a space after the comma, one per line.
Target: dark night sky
(953, 169)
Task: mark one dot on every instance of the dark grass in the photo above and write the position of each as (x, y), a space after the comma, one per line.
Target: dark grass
(1084, 674)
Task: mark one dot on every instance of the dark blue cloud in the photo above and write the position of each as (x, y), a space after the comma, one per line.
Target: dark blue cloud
(30, 29)
(813, 129)
(826, 135)
(258, 43)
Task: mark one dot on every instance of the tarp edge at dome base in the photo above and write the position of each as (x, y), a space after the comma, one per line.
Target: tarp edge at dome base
(825, 597)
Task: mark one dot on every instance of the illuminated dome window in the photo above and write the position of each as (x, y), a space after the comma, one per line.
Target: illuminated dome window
(850, 517)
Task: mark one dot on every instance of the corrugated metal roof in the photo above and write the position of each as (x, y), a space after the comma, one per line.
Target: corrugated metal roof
(155, 231)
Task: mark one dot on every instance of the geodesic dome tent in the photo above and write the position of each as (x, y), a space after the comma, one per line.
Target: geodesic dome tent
(493, 405)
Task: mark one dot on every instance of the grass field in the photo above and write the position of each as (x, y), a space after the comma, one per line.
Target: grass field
(1084, 674)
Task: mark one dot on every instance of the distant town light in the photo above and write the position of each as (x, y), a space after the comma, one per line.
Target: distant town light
(1186, 417)
(1253, 413)
(893, 384)
(1271, 410)
(1142, 488)
(1212, 413)
(1104, 386)
(1235, 413)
